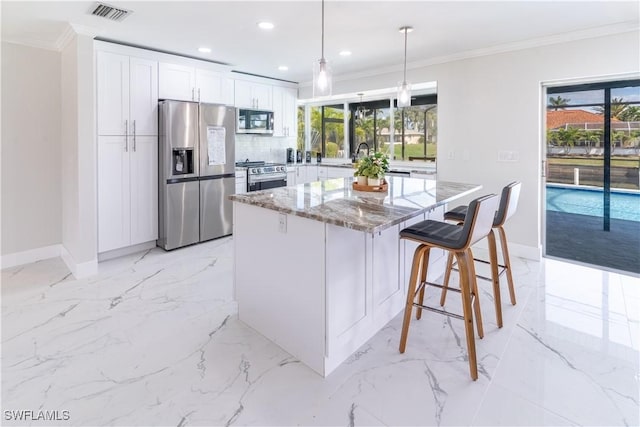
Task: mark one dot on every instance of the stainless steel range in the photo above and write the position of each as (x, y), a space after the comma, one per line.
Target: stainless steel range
(262, 176)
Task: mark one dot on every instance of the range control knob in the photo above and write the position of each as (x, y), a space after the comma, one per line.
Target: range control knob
(254, 170)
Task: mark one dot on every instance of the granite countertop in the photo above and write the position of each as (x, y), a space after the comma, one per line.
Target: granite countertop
(335, 202)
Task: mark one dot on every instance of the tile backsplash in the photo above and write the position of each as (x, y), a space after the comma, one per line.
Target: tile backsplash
(268, 148)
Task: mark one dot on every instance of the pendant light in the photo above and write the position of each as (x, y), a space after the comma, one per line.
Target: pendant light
(360, 109)
(322, 70)
(404, 88)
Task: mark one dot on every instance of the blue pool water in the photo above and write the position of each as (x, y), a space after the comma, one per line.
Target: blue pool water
(583, 201)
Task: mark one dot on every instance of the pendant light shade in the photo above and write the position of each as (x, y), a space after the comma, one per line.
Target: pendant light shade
(404, 88)
(322, 70)
(360, 110)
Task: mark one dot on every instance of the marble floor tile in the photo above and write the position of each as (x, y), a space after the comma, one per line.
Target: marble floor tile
(154, 339)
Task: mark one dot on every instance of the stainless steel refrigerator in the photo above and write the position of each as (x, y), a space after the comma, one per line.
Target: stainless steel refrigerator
(196, 172)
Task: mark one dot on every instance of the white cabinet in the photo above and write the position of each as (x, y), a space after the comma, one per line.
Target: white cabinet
(339, 172)
(312, 173)
(127, 95)
(187, 83)
(301, 174)
(127, 191)
(127, 102)
(291, 176)
(253, 95)
(241, 181)
(284, 111)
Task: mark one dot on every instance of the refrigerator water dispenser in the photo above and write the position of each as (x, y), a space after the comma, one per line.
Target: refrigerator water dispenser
(182, 161)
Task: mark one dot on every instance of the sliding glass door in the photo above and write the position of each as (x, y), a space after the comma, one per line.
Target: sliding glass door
(592, 174)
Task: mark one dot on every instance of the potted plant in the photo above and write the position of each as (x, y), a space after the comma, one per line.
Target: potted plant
(379, 165)
(361, 172)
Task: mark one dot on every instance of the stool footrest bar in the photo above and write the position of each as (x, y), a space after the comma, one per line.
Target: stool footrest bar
(435, 310)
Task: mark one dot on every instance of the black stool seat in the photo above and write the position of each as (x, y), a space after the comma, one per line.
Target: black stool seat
(457, 214)
(437, 233)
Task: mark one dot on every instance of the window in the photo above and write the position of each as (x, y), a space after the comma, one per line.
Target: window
(414, 129)
(327, 130)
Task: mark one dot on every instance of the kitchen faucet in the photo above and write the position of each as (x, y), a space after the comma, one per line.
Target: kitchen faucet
(356, 154)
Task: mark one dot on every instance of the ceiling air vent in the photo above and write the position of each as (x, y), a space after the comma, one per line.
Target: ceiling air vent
(110, 12)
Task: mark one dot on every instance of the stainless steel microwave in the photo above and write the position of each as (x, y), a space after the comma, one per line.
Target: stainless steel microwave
(254, 121)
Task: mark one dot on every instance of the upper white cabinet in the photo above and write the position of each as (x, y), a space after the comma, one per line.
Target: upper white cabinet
(187, 83)
(127, 95)
(284, 111)
(254, 95)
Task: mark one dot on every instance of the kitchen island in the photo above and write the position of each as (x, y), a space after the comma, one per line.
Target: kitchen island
(319, 268)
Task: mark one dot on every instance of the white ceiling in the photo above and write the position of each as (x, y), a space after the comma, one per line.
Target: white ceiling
(443, 29)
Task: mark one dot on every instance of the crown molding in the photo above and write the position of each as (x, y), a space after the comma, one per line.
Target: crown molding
(605, 30)
(37, 43)
(70, 32)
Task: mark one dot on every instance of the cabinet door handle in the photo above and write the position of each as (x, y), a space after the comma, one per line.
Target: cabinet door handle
(193, 93)
(126, 135)
(134, 135)
(198, 94)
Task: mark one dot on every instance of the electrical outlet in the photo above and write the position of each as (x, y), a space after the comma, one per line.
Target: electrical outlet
(282, 223)
(451, 155)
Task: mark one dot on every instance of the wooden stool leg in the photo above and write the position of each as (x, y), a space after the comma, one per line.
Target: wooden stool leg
(411, 291)
(447, 276)
(495, 277)
(475, 294)
(463, 266)
(423, 278)
(507, 264)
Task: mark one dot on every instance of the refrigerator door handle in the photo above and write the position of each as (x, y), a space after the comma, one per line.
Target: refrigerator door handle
(134, 135)
(126, 135)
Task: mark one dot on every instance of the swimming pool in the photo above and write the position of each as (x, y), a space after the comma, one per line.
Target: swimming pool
(589, 201)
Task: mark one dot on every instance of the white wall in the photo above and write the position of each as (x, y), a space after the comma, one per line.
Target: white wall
(31, 179)
(79, 224)
(493, 103)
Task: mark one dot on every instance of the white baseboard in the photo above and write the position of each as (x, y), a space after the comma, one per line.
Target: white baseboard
(79, 270)
(126, 251)
(32, 255)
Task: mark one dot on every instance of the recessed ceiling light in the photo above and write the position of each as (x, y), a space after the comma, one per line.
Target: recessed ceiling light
(345, 53)
(266, 25)
(204, 50)
(283, 68)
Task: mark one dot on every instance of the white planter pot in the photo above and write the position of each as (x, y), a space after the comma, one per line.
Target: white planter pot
(362, 180)
(374, 181)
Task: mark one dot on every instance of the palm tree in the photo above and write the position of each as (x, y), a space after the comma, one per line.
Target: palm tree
(558, 103)
(630, 114)
(618, 107)
(568, 137)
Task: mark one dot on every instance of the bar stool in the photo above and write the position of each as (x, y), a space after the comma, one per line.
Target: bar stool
(508, 204)
(457, 240)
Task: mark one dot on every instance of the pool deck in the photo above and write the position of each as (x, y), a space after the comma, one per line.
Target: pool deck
(581, 238)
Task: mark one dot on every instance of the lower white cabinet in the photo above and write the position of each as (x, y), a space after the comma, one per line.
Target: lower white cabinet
(127, 191)
(339, 172)
(241, 181)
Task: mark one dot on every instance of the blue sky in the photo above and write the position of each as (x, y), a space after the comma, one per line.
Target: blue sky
(628, 94)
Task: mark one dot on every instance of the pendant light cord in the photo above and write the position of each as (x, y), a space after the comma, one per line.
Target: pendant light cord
(323, 30)
(405, 54)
